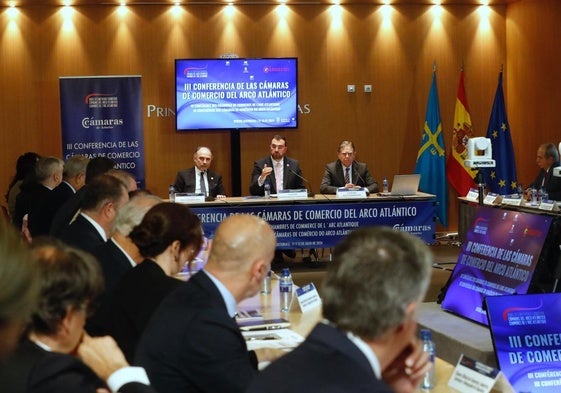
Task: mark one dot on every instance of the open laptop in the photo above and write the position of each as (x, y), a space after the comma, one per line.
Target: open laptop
(404, 185)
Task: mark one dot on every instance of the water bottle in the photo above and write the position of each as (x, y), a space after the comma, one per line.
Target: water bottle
(385, 185)
(171, 193)
(534, 197)
(266, 284)
(545, 195)
(428, 381)
(267, 188)
(285, 288)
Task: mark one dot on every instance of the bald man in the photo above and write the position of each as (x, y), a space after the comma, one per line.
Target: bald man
(193, 343)
(200, 178)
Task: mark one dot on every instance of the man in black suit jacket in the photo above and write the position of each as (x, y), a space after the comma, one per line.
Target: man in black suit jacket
(336, 176)
(266, 170)
(192, 343)
(189, 180)
(366, 343)
(547, 159)
(103, 197)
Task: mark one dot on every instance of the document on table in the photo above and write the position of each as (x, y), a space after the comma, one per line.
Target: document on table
(281, 339)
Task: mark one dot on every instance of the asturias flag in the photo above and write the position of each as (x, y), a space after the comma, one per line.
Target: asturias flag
(502, 178)
(460, 176)
(431, 158)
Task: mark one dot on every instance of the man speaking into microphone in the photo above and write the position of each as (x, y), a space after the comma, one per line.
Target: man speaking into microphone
(346, 172)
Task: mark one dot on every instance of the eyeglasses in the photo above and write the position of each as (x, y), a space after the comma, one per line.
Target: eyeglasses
(347, 154)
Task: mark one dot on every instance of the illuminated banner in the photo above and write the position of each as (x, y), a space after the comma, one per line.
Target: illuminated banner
(102, 117)
(527, 339)
(499, 257)
(323, 225)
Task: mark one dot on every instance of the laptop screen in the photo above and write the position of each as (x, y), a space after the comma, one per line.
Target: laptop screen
(526, 334)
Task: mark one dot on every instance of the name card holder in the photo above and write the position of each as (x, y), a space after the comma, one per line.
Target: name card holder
(300, 193)
(472, 195)
(471, 376)
(512, 200)
(549, 205)
(492, 199)
(308, 297)
(189, 197)
(358, 192)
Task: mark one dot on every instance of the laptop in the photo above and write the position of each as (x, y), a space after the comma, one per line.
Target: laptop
(404, 185)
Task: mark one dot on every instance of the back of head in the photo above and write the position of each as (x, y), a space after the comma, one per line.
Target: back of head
(240, 239)
(551, 151)
(102, 189)
(163, 224)
(47, 166)
(69, 278)
(132, 213)
(125, 177)
(75, 165)
(25, 165)
(19, 283)
(375, 275)
(98, 166)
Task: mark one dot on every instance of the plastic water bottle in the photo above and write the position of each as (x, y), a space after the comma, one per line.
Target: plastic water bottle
(171, 193)
(385, 185)
(428, 381)
(285, 288)
(266, 284)
(534, 197)
(545, 195)
(267, 188)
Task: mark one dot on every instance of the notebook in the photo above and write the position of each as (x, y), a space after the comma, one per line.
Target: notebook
(404, 185)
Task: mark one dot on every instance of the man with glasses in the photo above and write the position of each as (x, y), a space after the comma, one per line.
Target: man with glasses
(346, 172)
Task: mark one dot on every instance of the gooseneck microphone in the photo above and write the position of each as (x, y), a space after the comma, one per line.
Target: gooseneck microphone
(361, 179)
(309, 187)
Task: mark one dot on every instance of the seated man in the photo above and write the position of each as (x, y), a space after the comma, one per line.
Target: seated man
(346, 172)
(199, 178)
(192, 343)
(547, 159)
(366, 343)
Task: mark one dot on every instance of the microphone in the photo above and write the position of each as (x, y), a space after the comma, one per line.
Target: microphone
(361, 179)
(310, 192)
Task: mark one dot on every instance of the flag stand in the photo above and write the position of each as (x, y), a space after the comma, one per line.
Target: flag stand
(480, 179)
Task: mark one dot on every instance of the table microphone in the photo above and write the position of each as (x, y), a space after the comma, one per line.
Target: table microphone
(361, 179)
(310, 192)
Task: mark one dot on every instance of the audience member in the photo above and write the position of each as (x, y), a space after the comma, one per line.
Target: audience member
(192, 343)
(69, 281)
(547, 159)
(69, 210)
(280, 171)
(126, 177)
(367, 342)
(168, 236)
(19, 288)
(346, 172)
(189, 180)
(73, 179)
(103, 197)
(25, 167)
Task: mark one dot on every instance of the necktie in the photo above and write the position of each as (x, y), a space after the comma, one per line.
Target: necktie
(278, 176)
(203, 185)
(347, 176)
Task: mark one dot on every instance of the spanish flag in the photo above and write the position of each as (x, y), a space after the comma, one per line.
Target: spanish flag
(460, 176)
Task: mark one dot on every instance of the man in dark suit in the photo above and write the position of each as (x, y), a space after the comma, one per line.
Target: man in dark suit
(200, 178)
(279, 171)
(367, 342)
(102, 199)
(547, 159)
(346, 172)
(192, 343)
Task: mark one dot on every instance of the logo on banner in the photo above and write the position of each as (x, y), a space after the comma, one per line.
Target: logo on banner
(101, 100)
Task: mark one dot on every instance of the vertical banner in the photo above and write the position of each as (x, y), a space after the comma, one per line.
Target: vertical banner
(101, 116)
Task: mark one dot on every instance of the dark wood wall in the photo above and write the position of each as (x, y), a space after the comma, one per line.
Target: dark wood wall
(391, 48)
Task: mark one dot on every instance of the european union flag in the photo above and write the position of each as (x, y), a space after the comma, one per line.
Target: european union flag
(431, 159)
(501, 179)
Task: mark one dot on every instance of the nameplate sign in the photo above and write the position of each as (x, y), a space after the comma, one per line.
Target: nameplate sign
(492, 199)
(471, 376)
(512, 200)
(548, 205)
(189, 197)
(472, 195)
(300, 193)
(308, 297)
(358, 192)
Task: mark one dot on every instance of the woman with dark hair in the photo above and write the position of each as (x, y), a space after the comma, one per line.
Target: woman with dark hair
(25, 168)
(169, 236)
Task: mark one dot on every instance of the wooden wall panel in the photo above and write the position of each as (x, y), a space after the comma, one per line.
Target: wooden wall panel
(391, 48)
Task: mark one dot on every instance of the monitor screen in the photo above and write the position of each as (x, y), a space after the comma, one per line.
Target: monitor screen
(236, 93)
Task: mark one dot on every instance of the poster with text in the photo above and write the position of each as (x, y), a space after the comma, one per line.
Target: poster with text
(499, 256)
(101, 116)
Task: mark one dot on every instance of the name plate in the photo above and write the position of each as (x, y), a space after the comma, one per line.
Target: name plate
(189, 197)
(492, 199)
(548, 205)
(359, 192)
(472, 195)
(512, 200)
(300, 193)
(471, 376)
(308, 297)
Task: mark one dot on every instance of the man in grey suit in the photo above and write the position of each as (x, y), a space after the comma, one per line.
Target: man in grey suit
(199, 178)
(281, 172)
(346, 172)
